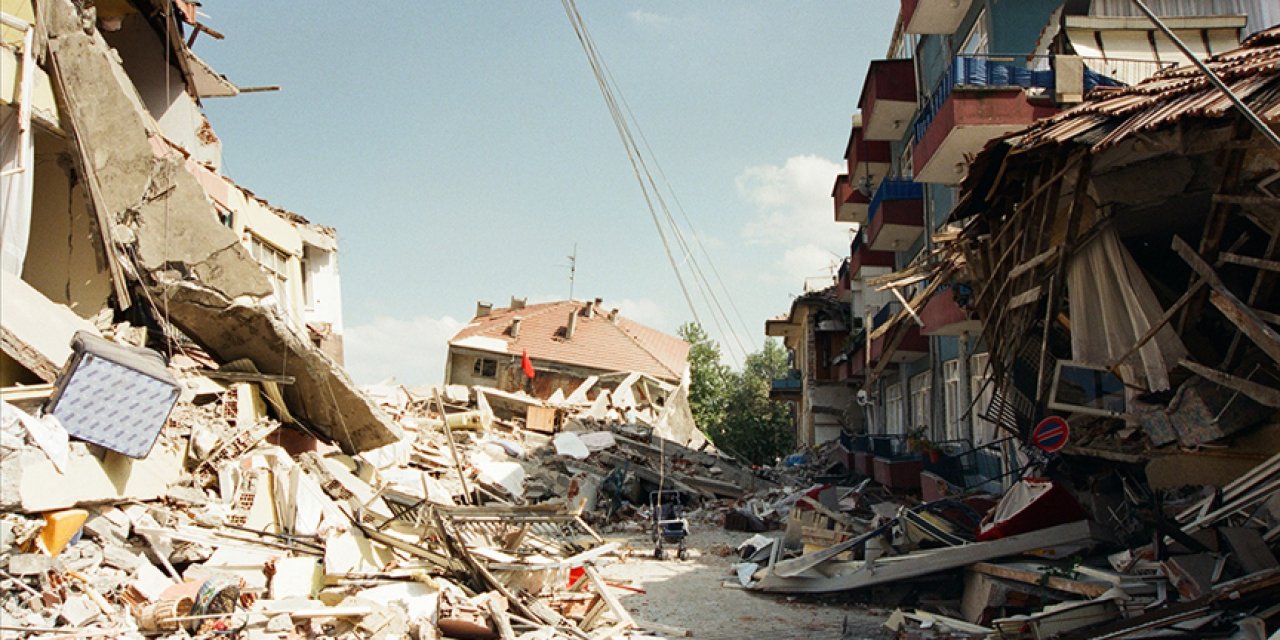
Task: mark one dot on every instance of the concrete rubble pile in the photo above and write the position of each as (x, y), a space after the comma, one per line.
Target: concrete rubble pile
(182, 453)
(1060, 553)
(470, 526)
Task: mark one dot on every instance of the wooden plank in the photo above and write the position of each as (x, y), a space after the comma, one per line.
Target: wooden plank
(1268, 317)
(1266, 201)
(907, 305)
(498, 612)
(1247, 321)
(796, 566)
(1249, 261)
(1240, 315)
(620, 612)
(453, 447)
(1034, 262)
(856, 575)
(1027, 576)
(245, 376)
(1260, 393)
(1025, 298)
(1159, 324)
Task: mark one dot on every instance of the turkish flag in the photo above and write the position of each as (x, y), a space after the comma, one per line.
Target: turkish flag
(526, 364)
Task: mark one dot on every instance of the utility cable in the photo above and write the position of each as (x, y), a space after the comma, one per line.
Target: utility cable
(619, 123)
(620, 111)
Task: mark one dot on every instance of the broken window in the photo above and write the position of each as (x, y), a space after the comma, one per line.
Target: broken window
(1081, 388)
(276, 264)
(485, 368)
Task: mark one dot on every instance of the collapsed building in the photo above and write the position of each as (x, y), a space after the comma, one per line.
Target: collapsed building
(575, 351)
(115, 209)
(181, 451)
(1058, 417)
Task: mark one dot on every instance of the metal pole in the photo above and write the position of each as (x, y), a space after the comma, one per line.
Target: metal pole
(1213, 77)
(453, 448)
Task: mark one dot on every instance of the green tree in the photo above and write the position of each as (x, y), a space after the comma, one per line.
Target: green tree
(755, 427)
(708, 379)
(733, 407)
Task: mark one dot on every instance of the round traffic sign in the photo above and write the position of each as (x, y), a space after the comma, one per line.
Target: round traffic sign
(1051, 434)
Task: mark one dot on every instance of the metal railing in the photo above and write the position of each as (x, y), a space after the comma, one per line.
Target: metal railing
(997, 72)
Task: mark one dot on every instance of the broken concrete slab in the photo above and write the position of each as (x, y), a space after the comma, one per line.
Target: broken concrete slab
(298, 577)
(34, 330)
(30, 483)
(214, 290)
(323, 395)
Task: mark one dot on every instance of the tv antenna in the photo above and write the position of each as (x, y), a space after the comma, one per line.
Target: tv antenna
(573, 268)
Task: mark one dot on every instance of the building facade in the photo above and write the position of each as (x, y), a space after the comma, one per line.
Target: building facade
(957, 75)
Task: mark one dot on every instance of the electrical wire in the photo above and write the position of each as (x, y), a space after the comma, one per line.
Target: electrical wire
(659, 212)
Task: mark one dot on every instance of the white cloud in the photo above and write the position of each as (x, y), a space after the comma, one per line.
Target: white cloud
(793, 218)
(807, 263)
(644, 310)
(648, 18)
(412, 350)
(792, 203)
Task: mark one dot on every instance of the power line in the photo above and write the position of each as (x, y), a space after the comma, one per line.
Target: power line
(624, 122)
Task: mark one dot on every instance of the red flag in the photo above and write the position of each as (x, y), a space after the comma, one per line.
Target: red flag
(526, 364)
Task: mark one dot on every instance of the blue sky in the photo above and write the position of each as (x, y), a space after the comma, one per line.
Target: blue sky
(461, 149)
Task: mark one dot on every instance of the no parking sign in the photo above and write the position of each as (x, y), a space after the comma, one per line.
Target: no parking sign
(1051, 434)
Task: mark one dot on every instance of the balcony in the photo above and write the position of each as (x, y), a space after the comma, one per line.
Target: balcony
(888, 100)
(980, 98)
(943, 316)
(933, 16)
(913, 346)
(860, 255)
(985, 97)
(868, 161)
(910, 348)
(844, 285)
(895, 216)
(787, 388)
(850, 204)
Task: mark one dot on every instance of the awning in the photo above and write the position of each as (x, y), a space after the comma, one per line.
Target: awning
(1132, 49)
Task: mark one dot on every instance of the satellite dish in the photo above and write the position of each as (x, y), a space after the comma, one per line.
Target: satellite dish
(863, 400)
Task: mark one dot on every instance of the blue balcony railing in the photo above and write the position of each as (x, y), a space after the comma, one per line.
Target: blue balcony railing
(890, 190)
(885, 312)
(995, 72)
(791, 383)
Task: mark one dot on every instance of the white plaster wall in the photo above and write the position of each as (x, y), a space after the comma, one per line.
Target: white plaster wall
(325, 304)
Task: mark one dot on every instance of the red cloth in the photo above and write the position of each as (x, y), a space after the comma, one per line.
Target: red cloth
(526, 364)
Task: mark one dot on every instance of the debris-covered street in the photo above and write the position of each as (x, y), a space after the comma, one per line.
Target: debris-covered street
(1039, 397)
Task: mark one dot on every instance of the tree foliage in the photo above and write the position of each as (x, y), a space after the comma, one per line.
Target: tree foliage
(733, 407)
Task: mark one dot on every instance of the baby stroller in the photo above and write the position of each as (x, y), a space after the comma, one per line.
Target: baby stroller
(669, 523)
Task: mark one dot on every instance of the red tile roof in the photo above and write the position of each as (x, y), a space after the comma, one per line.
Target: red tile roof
(597, 342)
